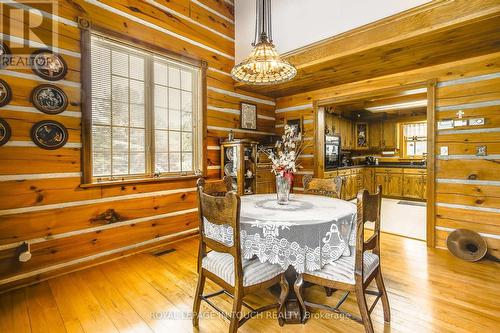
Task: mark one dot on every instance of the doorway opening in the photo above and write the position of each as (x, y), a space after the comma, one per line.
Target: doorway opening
(384, 137)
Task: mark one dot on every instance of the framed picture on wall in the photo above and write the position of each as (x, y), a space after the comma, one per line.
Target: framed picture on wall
(296, 123)
(248, 116)
(361, 135)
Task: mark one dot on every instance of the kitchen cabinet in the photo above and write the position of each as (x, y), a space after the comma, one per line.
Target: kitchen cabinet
(382, 135)
(415, 184)
(389, 136)
(396, 182)
(346, 132)
(381, 179)
(352, 182)
(375, 135)
(391, 180)
(369, 179)
(395, 185)
(412, 186)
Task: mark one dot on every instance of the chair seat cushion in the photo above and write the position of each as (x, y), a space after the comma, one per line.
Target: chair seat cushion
(254, 271)
(342, 270)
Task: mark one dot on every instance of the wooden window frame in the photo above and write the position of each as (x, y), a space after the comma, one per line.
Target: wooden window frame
(86, 31)
(402, 143)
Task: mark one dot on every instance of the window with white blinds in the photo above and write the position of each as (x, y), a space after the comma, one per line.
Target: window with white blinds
(415, 137)
(145, 111)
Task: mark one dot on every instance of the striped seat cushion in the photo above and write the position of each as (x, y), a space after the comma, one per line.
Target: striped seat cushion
(342, 270)
(254, 272)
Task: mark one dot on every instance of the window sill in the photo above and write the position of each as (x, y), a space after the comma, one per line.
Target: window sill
(140, 181)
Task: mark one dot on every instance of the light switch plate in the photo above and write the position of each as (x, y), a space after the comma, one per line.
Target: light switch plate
(481, 151)
(476, 121)
(444, 151)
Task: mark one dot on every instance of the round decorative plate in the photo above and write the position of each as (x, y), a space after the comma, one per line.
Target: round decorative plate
(49, 134)
(230, 153)
(4, 53)
(5, 132)
(228, 169)
(48, 65)
(49, 99)
(5, 93)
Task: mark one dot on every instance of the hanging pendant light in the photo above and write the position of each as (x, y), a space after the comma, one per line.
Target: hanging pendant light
(264, 65)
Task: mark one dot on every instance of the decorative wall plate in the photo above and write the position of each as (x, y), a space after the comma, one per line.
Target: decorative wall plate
(49, 99)
(48, 65)
(5, 93)
(5, 132)
(4, 53)
(49, 134)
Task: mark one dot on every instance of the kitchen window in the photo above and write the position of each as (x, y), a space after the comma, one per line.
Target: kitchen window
(415, 139)
(146, 114)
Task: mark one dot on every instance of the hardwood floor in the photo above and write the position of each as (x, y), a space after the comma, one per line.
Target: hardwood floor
(429, 291)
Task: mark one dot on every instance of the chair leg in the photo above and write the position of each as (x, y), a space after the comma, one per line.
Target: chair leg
(236, 312)
(285, 287)
(297, 287)
(197, 299)
(385, 300)
(363, 309)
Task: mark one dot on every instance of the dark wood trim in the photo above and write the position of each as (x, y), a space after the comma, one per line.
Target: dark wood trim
(431, 162)
(319, 138)
(204, 116)
(86, 101)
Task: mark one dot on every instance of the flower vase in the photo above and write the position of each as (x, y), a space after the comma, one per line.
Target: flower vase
(283, 184)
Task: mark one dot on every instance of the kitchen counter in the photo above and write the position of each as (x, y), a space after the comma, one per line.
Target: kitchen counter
(388, 165)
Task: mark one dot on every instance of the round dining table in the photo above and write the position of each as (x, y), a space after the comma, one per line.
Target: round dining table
(304, 235)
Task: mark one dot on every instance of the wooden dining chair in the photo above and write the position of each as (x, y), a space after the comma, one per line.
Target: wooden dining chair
(354, 273)
(224, 265)
(217, 187)
(331, 187)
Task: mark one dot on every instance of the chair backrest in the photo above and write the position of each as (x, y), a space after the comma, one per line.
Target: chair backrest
(331, 187)
(216, 187)
(221, 211)
(368, 210)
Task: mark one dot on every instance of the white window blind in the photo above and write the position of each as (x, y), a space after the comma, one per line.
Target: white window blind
(145, 110)
(415, 136)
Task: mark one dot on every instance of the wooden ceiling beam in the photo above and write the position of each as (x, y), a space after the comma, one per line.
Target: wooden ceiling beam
(424, 36)
(431, 17)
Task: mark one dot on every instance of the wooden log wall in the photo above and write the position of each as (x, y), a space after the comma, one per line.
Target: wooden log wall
(467, 186)
(41, 200)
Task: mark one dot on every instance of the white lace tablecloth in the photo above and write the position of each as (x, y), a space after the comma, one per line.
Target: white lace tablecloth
(308, 233)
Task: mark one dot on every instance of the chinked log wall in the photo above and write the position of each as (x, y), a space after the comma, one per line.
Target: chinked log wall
(467, 186)
(40, 198)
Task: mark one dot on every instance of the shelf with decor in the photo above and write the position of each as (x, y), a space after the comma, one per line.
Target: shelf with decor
(239, 160)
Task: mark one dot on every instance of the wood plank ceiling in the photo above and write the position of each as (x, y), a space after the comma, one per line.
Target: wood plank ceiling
(435, 33)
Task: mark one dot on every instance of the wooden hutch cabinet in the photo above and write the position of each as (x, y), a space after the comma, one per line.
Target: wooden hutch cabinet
(239, 160)
(265, 179)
